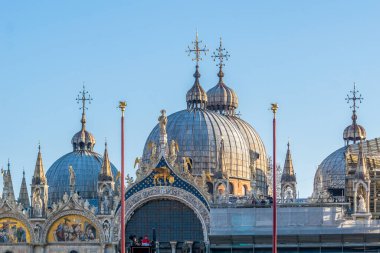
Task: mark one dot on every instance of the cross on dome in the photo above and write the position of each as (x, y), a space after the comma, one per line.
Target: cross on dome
(196, 49)
(83, 96)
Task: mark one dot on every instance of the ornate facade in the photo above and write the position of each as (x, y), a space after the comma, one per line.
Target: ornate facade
(203, 184)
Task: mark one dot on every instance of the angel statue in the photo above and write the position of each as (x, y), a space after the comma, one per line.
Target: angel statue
(187, 164)
(173, 150)
(139, 170)
(153, 151)
(137, 162)
(129, 180)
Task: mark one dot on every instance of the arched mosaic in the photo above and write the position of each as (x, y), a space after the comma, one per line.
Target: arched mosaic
(73, 228)
(13, 231)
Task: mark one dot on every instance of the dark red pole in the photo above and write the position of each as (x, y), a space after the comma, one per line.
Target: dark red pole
(274, 239)
(122, 106)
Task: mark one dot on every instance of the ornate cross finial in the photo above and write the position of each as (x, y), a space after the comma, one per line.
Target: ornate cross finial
(83, 96)
(222, 54)
(356, 96)
(196, 49)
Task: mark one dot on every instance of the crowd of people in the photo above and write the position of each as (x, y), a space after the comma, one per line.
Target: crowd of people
(141, 241)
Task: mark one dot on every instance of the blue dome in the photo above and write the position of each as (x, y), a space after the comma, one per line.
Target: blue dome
(86, 165)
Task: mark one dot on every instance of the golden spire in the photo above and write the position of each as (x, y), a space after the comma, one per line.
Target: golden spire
(39, 174)
(106, 172)
(82, 98)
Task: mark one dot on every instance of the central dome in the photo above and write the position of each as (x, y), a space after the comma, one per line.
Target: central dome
(199, 134)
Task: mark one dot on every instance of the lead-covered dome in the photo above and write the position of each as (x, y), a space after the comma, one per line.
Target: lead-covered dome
(332, 170)
(199, 134)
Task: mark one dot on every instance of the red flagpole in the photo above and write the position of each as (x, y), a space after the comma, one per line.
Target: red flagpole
(274, 238)
(122, 106)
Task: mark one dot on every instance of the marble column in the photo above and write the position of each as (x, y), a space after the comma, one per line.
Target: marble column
(173, 245)
(190, 244)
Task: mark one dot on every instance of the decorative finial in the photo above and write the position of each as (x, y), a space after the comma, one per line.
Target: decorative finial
(221, 54)
(122, 106)
(23, 172)
(274, 108)
(83, 96)
(356, 96)
(197, 50)
(288, 145)
(9, 164)
(39, 146)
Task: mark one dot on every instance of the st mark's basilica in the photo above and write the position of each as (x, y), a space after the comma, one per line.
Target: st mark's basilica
(202, 184)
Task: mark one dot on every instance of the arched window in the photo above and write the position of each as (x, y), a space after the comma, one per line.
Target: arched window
(73, 251)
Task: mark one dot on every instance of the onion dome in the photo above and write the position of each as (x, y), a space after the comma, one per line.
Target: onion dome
(83, 140)
(221, 98)
(354, 132)
(196, 97)
(199, 134)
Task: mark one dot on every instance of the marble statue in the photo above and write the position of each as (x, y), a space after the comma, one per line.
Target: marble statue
(362, 206)
(37, 203)
(163, 120)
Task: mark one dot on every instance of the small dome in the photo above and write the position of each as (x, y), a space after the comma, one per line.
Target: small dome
(196, 97)
(83, 140)
(354, 133)
(221, 98)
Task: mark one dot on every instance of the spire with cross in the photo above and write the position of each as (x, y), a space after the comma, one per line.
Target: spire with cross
(355, 96)
(83, 97)
(197, 50)
(221, 54)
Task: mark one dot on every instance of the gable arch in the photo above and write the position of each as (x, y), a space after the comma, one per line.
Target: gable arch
(82, 213)
(23, 220)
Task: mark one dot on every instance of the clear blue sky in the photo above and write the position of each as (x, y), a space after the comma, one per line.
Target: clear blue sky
(303, 54)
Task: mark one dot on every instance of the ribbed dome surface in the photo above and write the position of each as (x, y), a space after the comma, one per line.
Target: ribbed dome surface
(332, 170)
(222, 98)
(354, 132)
(86, 165)
(199, 134)
(255, 144)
